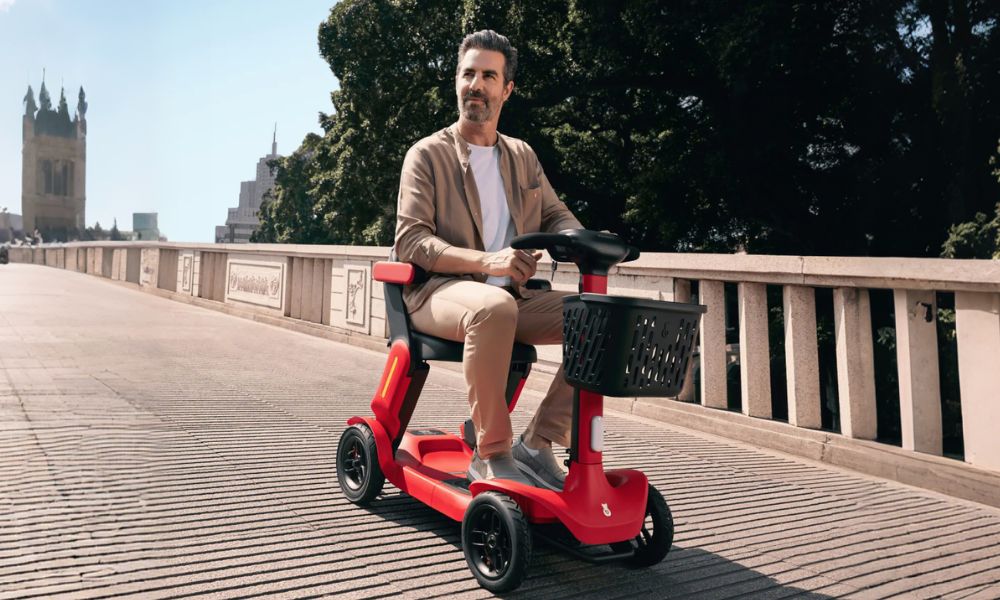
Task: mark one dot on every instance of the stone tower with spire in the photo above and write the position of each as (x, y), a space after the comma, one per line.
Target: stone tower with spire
(53, 167)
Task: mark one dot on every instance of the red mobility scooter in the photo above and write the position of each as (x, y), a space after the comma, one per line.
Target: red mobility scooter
(611, 346)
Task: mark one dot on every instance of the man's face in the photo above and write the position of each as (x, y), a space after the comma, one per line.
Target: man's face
(480, 87)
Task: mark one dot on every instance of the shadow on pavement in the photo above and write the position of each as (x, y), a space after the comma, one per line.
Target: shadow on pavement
(687, 572)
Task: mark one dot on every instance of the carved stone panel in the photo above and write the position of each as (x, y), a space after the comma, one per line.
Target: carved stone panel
(186, 273)
(356, 307)
(256, 282)
(150, 266)
(351, 296)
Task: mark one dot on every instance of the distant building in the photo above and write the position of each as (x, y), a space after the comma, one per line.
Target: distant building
(53, 167)
(144, 227)
(11, 226)
(243, 220)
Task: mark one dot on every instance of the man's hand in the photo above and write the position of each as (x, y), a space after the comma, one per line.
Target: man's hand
(519, 265)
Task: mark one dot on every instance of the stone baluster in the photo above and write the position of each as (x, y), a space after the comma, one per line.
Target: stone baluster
(305, 283)
(919, 380)
(295, 279)
(755, 367)
(855, 363)
(801, 356)
(682, 293)
(713, 344)
(977, 322)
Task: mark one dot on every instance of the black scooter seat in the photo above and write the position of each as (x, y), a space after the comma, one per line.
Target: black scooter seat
(428, 347)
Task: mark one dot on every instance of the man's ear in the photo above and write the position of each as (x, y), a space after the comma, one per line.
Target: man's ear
(508, 90)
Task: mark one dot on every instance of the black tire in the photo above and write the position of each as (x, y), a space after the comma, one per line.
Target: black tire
(496, 540)
(358, 471)
(657, 535)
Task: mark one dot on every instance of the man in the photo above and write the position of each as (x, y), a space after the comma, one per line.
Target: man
(464, 193)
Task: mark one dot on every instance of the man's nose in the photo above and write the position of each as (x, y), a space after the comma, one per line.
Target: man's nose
(477, 83)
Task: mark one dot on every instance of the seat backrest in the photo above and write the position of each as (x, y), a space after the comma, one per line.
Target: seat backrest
(395, 313)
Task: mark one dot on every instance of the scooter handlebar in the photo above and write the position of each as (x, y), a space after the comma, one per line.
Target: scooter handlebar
(594, 252)
(537, 241)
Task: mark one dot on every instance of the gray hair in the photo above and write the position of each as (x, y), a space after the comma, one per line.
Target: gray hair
(487, 39)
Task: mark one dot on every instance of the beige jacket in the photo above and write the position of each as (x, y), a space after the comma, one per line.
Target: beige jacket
(439, 204)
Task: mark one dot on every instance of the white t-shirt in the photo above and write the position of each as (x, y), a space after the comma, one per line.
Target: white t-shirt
(498, 228)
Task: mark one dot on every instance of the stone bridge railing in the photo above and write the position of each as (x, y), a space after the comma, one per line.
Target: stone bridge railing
(890, 366)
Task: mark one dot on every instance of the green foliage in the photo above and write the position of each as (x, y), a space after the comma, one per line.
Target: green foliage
(814, 128)
(395, 63)
(978, 238)
(287, 211)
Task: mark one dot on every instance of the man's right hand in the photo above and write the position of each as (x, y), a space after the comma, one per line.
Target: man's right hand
(519, 265)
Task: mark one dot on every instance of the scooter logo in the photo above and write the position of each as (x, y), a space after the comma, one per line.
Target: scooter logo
(604, 507)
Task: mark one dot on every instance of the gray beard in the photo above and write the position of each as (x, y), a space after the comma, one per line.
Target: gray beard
(475, 114)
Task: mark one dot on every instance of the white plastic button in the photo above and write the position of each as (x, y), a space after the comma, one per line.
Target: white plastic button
(597, 434)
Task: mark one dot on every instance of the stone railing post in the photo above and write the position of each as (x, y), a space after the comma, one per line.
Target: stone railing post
(755, 354)
(977, 321)
(713, 344)
(801, 356)
(682, 293)
(150, 267)
(855, 363)
(118, 260)
(295, 281)
(919, 383)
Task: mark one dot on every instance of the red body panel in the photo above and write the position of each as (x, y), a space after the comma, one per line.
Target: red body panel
(394, 272)
(392, 388)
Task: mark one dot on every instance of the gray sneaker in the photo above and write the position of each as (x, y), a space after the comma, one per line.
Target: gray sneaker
(499, 466)
(540, 466)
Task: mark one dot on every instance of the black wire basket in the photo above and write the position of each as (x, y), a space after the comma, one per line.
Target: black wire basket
(618, 346)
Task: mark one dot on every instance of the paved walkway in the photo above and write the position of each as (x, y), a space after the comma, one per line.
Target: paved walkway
(153, 449)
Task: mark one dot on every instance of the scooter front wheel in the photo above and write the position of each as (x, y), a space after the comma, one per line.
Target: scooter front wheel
(496, 540)
(358, 471)
(656, 536)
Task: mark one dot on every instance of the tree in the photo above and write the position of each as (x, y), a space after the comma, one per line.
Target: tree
(96, 233)
(816, 128)
(115, 235)
(979, 238)
(287, 212)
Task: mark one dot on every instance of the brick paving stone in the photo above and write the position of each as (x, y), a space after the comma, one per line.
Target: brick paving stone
(154, 449)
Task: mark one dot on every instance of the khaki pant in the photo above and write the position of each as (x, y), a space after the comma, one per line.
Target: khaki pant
(489, 319)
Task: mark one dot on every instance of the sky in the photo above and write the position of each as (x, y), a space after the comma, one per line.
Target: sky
(182, 95)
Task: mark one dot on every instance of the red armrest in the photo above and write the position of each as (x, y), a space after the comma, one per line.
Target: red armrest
(394, 272)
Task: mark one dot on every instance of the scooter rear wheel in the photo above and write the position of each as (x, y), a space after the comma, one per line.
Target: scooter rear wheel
(358, 471)
(496, 540)
(656, 536)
